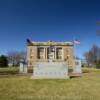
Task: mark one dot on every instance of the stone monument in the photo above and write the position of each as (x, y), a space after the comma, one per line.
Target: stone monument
(77, 66)
(50, 69)
(23, 66)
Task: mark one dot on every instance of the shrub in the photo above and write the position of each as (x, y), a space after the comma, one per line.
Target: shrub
(98, 64)
(3, 61)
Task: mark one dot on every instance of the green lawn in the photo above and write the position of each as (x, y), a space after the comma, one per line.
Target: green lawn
(9, 70)
(86, 87)
(12, 70)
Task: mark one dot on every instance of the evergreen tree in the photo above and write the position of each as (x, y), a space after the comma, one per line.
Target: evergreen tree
(3, 61)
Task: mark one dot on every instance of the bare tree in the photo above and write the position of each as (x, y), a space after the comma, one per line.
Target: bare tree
(15, 56)
(93, 55)
(23, 55)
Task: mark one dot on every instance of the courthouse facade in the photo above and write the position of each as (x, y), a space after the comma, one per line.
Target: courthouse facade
(50, 50)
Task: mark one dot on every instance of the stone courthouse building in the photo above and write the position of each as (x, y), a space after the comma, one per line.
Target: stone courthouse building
(50, 50)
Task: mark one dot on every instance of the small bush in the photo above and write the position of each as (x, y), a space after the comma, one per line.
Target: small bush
(3, 61)
(98, 64)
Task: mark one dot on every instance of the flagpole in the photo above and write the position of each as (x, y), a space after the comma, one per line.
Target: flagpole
(73, 51)
(76, 42)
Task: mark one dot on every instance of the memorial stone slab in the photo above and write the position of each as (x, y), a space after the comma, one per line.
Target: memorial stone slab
(23, 67)
(77, 66)
(50, 70)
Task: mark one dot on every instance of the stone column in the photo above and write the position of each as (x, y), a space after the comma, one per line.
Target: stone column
(55, 54)
(46, 53)
(62, 53)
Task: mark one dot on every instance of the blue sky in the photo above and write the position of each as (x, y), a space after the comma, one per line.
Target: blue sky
(43, 20)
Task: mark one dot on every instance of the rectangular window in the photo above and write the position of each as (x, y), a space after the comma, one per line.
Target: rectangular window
(48, 52)
(30, 50)
(40, 53)
(30, 57)
(30, 63)
(59, 53)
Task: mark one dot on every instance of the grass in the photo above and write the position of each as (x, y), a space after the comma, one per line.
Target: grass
(86, 87)
(9, 70)
(12, 70)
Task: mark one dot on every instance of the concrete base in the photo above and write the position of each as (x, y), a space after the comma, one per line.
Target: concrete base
(49, 77)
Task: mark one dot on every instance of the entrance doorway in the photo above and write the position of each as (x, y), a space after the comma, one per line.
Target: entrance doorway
(50, 54)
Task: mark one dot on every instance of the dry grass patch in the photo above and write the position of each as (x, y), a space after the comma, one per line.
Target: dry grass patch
(86, 87)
